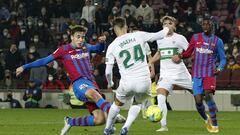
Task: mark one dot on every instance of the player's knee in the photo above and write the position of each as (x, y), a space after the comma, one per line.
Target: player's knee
(118, 103)
(99, 120)
(94, 95)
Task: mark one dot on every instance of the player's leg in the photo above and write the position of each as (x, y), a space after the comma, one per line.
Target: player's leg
(113, 112)
(163, 88)
(198, 96)
(209, 88)
(161, 97)
(86, 90)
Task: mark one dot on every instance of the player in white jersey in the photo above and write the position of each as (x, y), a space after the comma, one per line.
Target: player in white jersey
(170, 73)
(129, 51)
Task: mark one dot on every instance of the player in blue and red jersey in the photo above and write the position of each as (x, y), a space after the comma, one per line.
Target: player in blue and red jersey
(206, 49)
(75, 57)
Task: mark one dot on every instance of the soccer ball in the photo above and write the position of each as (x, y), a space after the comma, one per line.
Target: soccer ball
(154, 113)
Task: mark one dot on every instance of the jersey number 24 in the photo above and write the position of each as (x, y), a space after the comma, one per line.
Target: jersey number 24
(137, 55)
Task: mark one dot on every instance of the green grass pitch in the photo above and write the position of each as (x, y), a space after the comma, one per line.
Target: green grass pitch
(50, 122)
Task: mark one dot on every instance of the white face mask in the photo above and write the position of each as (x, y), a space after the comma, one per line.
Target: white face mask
(235, 50)
(5, 33)
(174, 10)
(23, 31)
(225, 48)
(35, 40)
(50, 78)
(235, 40)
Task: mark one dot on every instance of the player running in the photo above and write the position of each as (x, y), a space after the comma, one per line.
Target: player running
(129, 51)
(170, 73)
(206, 48)
(75, 57)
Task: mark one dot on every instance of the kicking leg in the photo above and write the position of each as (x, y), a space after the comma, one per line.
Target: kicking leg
(162, 95)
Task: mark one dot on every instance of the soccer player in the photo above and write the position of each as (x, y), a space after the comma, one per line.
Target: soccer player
(206, 48)
(129, 51)
(76, 59)
(170, 73)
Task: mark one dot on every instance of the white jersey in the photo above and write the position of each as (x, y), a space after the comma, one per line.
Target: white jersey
(168, 47)
(129, 51)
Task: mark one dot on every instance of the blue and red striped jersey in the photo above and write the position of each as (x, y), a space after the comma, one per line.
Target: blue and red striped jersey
(206, 50)
(75, 60)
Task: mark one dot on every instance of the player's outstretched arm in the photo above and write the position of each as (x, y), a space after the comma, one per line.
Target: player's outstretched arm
(99, 47)
(37, 63)
(108, 73)
(221, 55)
(150, 37)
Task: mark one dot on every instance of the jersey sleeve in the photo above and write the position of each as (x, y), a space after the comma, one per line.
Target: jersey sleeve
(109, 56)
(99, 47)
(58, 53)
(147, 48)
(221, 54)
(188, 52)
(150, 37)
(183, 43)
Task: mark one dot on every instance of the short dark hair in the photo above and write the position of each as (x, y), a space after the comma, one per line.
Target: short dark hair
(120, 22)
(77, 28)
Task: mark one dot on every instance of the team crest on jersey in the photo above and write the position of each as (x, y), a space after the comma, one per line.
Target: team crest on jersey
(83, 86)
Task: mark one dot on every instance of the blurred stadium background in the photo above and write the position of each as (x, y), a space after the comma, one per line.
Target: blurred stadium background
(31, 29)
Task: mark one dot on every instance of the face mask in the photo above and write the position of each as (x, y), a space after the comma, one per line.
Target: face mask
(23, 30)
(231, 63)
(32, 50)
(225, 48)
(235, 41)
(174, 10)
(200, 19)
(35, 40)
(52, 28)
(94, 37)
(127, 15)
(5, 34)
(29, 23)
(20, 6)
(20, 23)
(65, 36)
(40, 24)
(189, 11)
(114, 12)
(50, 78)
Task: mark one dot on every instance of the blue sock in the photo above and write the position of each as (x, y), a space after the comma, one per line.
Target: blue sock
(103, 105)
(201, 110)
(82, 121)
(213, 111)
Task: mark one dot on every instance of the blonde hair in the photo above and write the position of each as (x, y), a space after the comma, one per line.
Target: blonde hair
(168, 18)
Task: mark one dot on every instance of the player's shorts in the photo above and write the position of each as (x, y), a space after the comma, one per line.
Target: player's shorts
(203, 83)
(168, 83)
(80, 87)
(140, 89)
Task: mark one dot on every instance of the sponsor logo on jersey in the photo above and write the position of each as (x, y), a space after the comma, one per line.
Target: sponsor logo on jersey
(83, 86)
(204, 50)
(79, 56)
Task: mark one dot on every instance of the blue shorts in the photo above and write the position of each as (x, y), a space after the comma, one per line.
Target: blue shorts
(80, 87)
(203, 83)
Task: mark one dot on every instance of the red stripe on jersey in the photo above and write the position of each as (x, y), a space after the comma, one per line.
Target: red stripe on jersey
(85, 121)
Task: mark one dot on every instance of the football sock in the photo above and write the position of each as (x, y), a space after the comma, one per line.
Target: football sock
(82, 121)
(113, 112)
(103, 105)
(212, 110)
(201, 110)
(163, 106)
(132, 115)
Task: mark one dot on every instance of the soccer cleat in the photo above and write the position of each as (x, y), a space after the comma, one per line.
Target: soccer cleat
(209, 123)
(120, 119)
(214, 129)
(109, 131)
(123, 131)
(162, 129)
(66, 126)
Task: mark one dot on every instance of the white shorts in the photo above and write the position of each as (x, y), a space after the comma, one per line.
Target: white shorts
(140, 89)
(184, 81)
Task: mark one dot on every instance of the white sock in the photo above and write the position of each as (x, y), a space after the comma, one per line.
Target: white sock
(132, 115)
(113, 112)
(163, 106)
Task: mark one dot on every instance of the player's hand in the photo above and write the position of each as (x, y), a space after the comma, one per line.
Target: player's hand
(176, 59)
(109, 89)
(102, 39)
(217, 71)
(19, 70)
